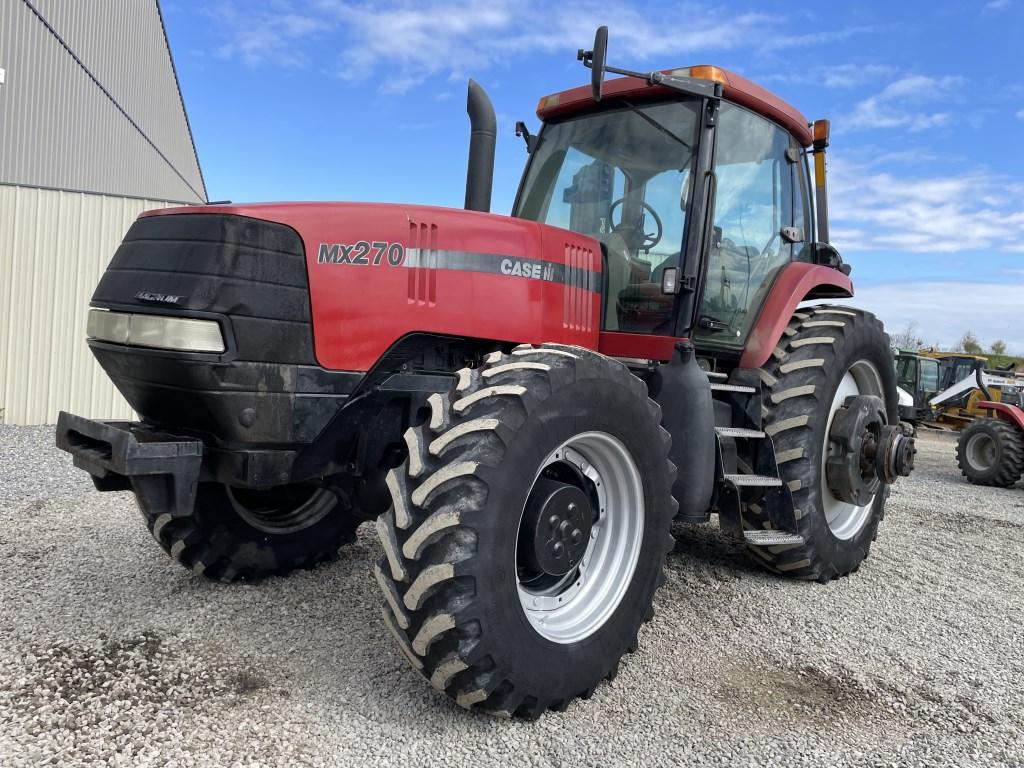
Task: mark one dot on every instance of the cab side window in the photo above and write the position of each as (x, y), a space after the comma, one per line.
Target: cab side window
(930, 375)
(758, 192)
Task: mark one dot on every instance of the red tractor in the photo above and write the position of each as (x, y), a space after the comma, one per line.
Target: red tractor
(524, 404)
(990, 450)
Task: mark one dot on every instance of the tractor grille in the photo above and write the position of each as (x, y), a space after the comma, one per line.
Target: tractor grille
(252, 271)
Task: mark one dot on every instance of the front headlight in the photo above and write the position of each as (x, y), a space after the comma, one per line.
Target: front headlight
(184, 334)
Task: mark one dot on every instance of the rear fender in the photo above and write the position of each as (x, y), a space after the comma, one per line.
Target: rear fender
(1009, 413)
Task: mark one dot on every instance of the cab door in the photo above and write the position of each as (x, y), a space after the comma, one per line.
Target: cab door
(760, 210)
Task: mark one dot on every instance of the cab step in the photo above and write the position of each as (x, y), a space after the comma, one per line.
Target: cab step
(760, 481)
(772, 538)
(716, 387)
(750, 434)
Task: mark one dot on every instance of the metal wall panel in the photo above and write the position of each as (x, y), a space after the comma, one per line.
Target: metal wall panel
(53, 248)
(60, 130)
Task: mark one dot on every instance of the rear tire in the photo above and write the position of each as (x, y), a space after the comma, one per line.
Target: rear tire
(452, 575)
(234, 535)
(825, 351)
(991, 452)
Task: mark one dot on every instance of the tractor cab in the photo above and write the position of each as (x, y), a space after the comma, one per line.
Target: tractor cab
(696, 183)
(955, 366)
(623, 176)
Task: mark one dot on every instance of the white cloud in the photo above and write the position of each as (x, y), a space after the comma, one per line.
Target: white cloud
(777, 42)
(836, 76)
(874, 210)
(357, 39)
(998, 5)
(276, 36)
(853, 75)
(881, 158)
(944, 311)
(1020, 114)
(901, 104)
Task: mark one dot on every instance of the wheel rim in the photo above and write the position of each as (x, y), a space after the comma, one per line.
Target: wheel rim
(574, 606)
(284, 509)
(981, 452)
(844, 519)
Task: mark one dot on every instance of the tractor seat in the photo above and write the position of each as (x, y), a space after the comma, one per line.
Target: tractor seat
(635, 303)
(619, 273)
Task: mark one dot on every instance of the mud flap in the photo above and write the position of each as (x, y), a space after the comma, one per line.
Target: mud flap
(162, 469)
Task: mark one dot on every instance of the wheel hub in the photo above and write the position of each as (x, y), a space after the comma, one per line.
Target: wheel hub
(864, 451)
(556, 527)
(572, 571)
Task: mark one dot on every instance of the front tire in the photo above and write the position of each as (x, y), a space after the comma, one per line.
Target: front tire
(991, 452)
(475, 603)
(237, 535)
(827, 353)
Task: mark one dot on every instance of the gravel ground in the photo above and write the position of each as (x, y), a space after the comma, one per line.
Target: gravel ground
(111, 654)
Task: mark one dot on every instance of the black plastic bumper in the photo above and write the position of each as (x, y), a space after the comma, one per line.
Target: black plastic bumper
(121, 455)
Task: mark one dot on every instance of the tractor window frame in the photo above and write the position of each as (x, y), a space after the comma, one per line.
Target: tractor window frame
(802, 172)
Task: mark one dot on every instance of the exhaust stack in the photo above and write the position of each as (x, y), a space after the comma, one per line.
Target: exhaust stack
(482, 136)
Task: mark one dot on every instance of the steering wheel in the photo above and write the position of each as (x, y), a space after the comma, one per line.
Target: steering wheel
(649, 240)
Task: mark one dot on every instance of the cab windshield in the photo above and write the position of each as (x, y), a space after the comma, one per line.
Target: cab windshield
(622, 176)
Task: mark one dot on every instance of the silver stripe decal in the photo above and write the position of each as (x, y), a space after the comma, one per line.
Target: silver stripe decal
(496, 263)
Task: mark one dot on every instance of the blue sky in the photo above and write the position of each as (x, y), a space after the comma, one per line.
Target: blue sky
(348, 100)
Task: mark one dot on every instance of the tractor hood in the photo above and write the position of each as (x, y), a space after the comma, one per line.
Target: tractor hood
(379, 272)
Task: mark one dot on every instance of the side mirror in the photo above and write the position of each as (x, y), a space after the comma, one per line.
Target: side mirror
(596, 59)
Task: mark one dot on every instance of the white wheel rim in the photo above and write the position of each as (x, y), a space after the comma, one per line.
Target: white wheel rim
(585, 599)
(844, 519)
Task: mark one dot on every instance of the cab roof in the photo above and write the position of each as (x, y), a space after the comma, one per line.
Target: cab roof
(735, 88)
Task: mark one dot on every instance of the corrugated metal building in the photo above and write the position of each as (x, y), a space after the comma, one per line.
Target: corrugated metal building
(93, 131)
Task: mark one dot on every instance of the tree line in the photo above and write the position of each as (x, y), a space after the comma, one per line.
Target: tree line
(911, 338)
